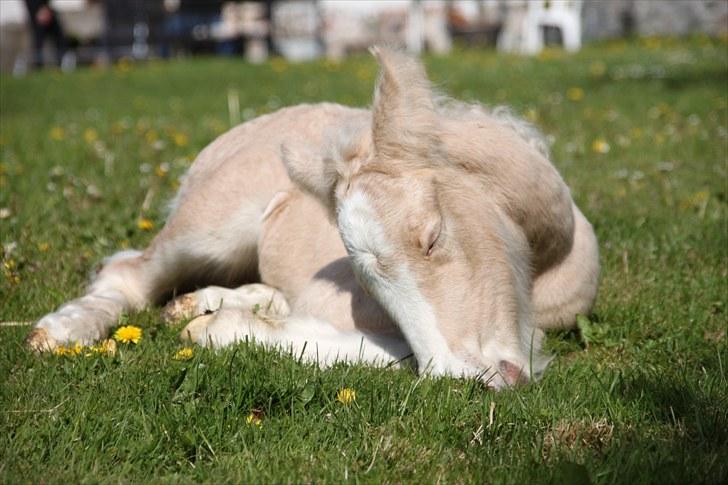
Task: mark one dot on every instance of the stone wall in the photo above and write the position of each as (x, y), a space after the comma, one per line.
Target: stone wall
(615, 18)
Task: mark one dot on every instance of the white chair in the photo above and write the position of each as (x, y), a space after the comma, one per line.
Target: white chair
(523, 29)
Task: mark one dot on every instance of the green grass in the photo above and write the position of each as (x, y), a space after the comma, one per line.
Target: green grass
(638, 395)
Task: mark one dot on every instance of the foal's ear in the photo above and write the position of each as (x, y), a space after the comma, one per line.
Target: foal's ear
(404, 123)
(310, 170)
(317, 169)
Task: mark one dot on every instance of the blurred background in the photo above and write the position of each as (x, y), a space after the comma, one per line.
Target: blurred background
(69, 33)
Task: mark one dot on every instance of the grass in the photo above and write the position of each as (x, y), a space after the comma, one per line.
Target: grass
(637, 395)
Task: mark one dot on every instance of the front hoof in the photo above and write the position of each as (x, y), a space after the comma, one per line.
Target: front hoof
(181, 308)
(38, 340)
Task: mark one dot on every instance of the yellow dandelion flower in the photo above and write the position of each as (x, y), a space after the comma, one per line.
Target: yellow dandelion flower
(531, 115)
(346, 396)
(151, 136)
(161, 171)
(180, 139)
(254, 419)
(124, 65)
(145, 224)
(57, 133)
(108, 346)
(183, 354)
(90, 135)
(68, 350)
(128, 334)
(652, 42)
(60, 351)
(43, 247)
(364, 73)
(117, 128)
(597, 68)
(575, 93)
(331, 64)
(278, 64)
(600, 145)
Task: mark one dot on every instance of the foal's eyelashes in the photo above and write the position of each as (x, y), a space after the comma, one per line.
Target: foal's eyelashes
(430, 235)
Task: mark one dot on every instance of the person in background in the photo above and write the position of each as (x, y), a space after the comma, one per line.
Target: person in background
(44, 24)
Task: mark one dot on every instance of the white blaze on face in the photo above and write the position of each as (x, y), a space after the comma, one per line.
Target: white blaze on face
(397, 291)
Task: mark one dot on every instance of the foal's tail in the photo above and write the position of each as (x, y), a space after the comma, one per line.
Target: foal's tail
(570, 287)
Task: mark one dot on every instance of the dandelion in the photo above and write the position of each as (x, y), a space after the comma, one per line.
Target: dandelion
(531, 115)
(575, 94)
(43, 247)
(151, 136)
(124, 65)
(255, 418)
(128, 334)
(9, 271)
(278, 65)
(364, 73)
(68, 351)
(331, 64)
(145, 224)
(600, 145)
(597, 69)
(346, 396)
(90, 135)
(698, 199)
(57, 133)
(180, 139)
(108, 346)
(635, 132)
(183, 354)
(162, 170)
(105, 347)
(117, 128)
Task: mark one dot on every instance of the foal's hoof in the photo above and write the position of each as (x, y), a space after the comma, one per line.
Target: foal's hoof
(196, 330)
(181, 308)
(38, 340)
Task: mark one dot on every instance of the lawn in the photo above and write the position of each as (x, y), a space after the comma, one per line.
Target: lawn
(638, 394)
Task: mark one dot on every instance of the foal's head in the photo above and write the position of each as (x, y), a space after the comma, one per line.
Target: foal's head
(428, 227)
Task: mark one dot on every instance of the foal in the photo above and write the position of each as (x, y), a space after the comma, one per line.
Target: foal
(424, 227)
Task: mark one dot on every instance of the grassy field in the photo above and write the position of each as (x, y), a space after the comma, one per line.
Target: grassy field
(639, 394)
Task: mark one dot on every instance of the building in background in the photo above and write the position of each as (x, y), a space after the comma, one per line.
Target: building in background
(104, 31)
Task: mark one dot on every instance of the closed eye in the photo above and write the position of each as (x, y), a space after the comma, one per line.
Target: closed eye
(434, 237)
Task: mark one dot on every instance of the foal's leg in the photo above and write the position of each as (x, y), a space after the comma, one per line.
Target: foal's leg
(131, 280)
(306, 337)
(214, 298)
